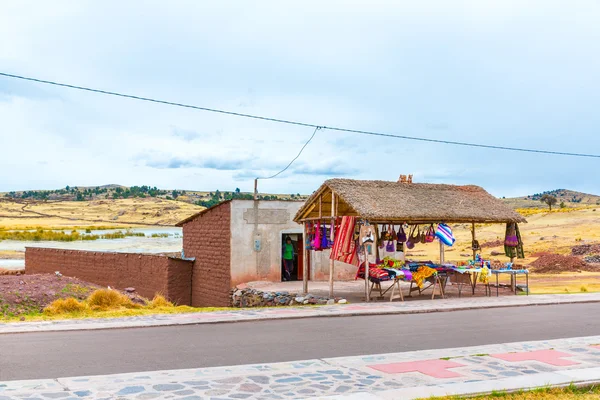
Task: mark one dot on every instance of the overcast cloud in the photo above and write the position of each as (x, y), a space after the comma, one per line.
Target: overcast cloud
(502, 72)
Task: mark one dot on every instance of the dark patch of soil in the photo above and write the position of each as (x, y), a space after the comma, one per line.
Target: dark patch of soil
(584, 249)
(25, 294)
(494, 243)
(554, 263)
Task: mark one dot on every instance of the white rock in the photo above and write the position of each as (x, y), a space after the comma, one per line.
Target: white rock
(330, 302)
(342, 301)
(305, 302)
(299, 299)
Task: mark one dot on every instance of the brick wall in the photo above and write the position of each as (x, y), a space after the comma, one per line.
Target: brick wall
(207, 238)
(148, 274)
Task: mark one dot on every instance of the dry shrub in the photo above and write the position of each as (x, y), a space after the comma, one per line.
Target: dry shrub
(159, 301)
(64, 306)
(9, 272)
(106, 299)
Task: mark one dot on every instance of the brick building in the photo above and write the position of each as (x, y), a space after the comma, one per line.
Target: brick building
(240, 241)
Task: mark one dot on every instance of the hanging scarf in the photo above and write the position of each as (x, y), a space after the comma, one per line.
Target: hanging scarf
(344, 245)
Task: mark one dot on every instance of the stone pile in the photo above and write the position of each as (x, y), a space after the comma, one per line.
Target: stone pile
(594, 259)
(248, 297)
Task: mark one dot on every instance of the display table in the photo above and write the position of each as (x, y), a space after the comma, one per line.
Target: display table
(513, 273)
(468, 277)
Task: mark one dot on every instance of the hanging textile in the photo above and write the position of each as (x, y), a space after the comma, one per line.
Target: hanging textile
(344, 245)
(512, 229)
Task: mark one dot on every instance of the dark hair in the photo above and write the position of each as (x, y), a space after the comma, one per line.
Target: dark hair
(288, 238)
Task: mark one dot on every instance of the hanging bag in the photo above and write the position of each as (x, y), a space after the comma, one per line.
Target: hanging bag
(381, 243)
(394, 235)
(430, 234)
(511, 239)
(317, 240)
(423, 237)
(401, 235)
(324, 241)
(412, 239)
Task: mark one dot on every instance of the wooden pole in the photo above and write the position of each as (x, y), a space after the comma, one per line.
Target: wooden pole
(305, 262)
(331, 233)
(441, 252)
(367, 299)
(473, 242)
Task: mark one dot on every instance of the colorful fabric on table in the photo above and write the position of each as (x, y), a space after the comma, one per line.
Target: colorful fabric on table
(397, 273)
(344, 245)
(422, 274)
(444, 234)
(375, 274)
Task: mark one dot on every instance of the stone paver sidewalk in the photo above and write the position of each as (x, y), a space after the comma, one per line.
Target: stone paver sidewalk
(249, 314)
(388, 376)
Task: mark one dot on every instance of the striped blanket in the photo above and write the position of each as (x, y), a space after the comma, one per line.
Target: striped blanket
(344, 246)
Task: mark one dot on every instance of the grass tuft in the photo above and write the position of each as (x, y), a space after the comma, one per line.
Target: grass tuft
(65, 306)
(106, 299)
(159, 301)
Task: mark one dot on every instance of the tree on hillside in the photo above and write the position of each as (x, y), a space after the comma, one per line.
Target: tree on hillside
(549, 200)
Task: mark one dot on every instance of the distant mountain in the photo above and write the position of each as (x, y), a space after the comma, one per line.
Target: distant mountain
(571, 198)
(113, 192)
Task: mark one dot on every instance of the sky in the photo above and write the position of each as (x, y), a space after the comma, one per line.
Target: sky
(506, 73)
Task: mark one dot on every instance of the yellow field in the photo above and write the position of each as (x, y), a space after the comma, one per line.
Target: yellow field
(555, 231)
(109, 213)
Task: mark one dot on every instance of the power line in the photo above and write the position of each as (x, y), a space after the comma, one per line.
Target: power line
(291, 162)
(297, 123)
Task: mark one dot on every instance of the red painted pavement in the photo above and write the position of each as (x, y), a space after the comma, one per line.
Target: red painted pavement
(551, 357)
(433, 368)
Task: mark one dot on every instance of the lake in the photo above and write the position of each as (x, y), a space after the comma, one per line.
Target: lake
(130, 244)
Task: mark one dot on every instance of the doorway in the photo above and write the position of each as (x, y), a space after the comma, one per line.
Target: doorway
(298, 256)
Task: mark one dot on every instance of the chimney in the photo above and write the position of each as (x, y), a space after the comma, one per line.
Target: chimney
(405, 178)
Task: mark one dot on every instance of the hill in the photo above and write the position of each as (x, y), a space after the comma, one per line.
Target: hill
(115, 192)
(111, 205)
(571, 198)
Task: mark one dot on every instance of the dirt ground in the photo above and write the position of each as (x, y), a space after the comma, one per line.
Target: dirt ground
(111, 213)
(25, 294)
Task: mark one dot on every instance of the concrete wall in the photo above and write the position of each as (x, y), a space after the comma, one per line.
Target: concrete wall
(207, 238)
(320, 271)
(148, 274)
(275, 218)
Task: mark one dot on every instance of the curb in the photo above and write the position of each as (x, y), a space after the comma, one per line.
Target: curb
(81, 326)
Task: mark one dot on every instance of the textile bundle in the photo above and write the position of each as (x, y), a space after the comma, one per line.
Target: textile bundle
(422, 274)
(344, 246)
(517, 251)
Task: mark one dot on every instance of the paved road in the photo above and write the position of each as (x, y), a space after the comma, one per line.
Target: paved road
(75, 353)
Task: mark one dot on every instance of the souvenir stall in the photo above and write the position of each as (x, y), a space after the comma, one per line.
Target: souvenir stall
(371, 224)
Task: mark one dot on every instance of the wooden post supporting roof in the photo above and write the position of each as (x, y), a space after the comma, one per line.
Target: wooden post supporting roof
(332, 236)
(305, 261)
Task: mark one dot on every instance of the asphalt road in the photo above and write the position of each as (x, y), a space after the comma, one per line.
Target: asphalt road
(76, 353)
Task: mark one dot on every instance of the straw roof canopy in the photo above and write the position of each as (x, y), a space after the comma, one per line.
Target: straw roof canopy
(384, 201)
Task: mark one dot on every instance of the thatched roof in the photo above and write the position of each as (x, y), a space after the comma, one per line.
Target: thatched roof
(384, 201)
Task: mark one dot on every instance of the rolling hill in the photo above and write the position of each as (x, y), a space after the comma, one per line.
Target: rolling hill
(571, 198)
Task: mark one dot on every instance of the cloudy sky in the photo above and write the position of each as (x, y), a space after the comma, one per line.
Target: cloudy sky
(509, 73)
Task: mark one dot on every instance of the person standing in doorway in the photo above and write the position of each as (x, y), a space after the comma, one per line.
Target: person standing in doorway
(288, 259)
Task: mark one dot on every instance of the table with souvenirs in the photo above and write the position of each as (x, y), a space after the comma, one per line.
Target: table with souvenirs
(381, 250)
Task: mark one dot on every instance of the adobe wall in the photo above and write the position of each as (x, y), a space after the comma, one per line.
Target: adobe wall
(148, 274)
(275, 218)
(207, 238)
